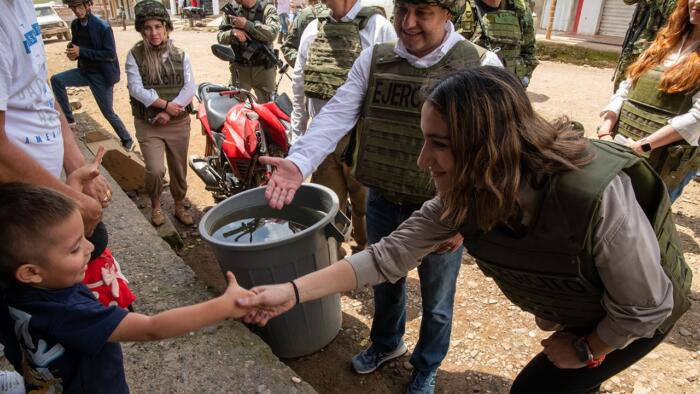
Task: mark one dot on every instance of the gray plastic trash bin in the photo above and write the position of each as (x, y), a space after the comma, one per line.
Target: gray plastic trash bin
(307, 327)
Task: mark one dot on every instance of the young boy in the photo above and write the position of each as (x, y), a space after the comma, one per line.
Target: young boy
(69, 341)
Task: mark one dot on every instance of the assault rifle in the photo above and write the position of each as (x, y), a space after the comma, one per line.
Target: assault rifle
(252, 46)
(484, 33)
(633, 31)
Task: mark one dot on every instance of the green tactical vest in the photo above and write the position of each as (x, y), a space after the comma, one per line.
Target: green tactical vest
(499, 31)
(647, 110)
(389, 138)
(550, 271)
(332, 54)
(173, 81)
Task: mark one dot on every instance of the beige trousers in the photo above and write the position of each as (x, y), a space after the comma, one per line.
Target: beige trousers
(170, 140)
(334, 174)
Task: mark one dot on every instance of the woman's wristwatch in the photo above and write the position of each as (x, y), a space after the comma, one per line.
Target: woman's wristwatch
(645, 145)
(585, 355)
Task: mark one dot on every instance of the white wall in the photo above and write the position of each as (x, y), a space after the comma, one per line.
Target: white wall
(590, 15)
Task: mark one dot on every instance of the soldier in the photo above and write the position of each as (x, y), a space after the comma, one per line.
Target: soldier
(329, 46)
(255, 26)
(161, 87)
(382, 97)
(507, 28)
(649, 17)
(315, 9)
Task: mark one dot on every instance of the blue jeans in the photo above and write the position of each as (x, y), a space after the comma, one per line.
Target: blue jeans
(102, 92)
(283, 22)
(678, 190)
(438, 277)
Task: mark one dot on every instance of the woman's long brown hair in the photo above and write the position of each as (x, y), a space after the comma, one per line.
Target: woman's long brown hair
(498, 142)
(683, 76)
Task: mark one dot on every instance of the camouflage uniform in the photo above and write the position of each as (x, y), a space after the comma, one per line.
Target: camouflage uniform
(262, 26)
(649, 20)
(291, 44)
(520, 57)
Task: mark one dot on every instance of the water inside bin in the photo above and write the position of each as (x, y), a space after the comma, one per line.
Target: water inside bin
(263, 224)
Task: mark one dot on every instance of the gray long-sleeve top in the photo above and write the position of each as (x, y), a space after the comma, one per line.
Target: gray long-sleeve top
(638, 295)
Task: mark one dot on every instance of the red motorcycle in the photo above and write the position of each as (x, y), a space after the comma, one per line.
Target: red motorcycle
(239, 130)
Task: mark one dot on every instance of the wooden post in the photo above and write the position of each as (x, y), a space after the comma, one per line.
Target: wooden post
(550, 21)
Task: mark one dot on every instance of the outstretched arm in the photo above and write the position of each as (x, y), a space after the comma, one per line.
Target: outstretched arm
(273, 300)
(388, 260)
(178, 321)
(336, 119)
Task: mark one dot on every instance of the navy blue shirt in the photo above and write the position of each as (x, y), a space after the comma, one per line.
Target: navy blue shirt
(63, 335)
(102, 50)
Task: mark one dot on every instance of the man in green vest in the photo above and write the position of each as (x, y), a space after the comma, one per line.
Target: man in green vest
(381, 97)
(254, 26)
(290, 47)
(506, 25)
(328, 48)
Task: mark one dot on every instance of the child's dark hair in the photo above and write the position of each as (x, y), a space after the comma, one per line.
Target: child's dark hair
(26, 211)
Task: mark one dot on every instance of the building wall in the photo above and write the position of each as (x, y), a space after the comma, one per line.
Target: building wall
(590, 16)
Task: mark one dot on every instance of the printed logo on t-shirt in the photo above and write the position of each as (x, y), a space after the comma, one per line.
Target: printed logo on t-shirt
(36, 358)
(30, 37)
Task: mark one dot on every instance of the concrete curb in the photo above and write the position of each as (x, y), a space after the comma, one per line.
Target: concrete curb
(225, 357)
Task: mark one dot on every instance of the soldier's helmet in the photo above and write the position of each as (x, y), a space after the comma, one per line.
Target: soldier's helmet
(456, 7)
(75, 3)
(151, 9)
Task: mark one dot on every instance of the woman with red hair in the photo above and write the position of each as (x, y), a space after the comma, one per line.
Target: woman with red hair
(658, 106)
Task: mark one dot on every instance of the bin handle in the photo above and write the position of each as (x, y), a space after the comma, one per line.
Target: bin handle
(340, 234)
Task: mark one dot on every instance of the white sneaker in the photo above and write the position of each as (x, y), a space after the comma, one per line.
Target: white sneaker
(11, 383)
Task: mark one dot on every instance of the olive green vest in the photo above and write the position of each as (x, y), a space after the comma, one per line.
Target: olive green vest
(550, 271)
(645, 111)
(389, 138)
(172, 82)
(332, 54)
(500, 31)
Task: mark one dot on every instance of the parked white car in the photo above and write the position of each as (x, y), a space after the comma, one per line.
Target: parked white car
(51, 24)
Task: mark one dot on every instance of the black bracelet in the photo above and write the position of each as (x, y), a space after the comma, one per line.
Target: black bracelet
(166, 105)
(296, 291)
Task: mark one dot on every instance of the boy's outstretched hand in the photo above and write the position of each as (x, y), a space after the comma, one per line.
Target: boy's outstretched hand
(267, 302)
(232, 294)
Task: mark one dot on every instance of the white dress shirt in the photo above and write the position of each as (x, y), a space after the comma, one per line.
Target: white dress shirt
(148, 96)
(341, 112)
(687, 124)
(377, 30)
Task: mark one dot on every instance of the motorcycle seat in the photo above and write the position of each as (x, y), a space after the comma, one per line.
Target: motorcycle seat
(217, 107)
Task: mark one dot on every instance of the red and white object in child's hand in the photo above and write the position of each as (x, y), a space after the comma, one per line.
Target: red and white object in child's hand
(105, 280)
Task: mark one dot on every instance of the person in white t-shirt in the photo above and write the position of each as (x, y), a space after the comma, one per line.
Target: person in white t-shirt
(36, 143)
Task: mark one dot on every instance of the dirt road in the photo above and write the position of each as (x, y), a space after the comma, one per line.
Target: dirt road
(491, 338)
